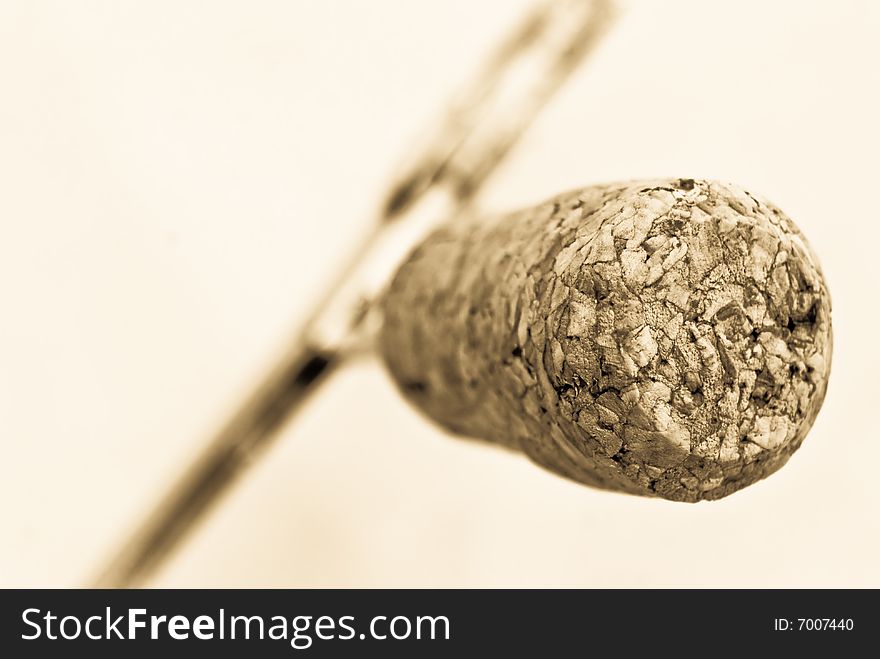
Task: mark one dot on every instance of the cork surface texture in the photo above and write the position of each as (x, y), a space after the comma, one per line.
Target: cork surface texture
(666, 338)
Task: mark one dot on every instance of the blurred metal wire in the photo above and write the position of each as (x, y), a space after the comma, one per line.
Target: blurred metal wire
(443, 178)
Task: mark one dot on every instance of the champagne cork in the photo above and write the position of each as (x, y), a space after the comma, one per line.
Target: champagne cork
(666, 338)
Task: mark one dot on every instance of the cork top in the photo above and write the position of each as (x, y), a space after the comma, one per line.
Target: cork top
(668, 337)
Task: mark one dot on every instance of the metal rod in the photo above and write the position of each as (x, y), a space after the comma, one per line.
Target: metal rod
(473, 140)
(224, 459)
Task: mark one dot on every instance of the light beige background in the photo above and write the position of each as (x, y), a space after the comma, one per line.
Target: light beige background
(177, 179)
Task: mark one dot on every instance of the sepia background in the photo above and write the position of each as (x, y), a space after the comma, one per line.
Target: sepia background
(178, 179)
